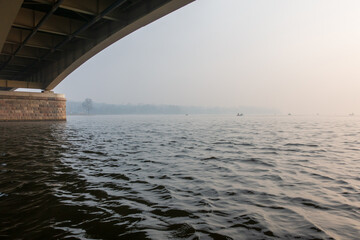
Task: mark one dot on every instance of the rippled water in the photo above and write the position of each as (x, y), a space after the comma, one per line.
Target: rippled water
(181, 177)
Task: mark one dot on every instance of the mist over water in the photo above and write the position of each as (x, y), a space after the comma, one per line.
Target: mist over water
(181, 177)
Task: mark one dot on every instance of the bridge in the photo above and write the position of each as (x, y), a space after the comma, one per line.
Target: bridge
(43, 41)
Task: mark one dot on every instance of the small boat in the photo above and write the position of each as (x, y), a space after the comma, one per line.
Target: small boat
(240, 115)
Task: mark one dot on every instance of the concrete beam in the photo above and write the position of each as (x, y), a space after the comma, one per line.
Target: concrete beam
(90, 7)
(28, 19)
(16, 61)
(20, 84)
(39, 40)
(8, 12)
(25, 52)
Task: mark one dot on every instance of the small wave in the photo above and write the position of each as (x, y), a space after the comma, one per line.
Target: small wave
(148, 161)
(160, 188)
(187, 178)
(257, 161)
(3, 194)
(230, 193)
(203, 202)
(247, 191)
(213, 235)
(125, 210)
(245, 144)
(133, 152)
(270, 153)
(100, 194)
(95, 152)
(117, 176)
(121, 155)
(223, 142)
(132, 235)
(220, 213)
(209, 158)
(139, 181)
(183, 230)
(247, 222)
(269, 148)
(271, 206)
(322, 177)
(117, 187)
(273, 177)
(164, 177)
(342, 182)
(140, 200)
(162, 191)
(159, 177)
(352, 149)
(308, 202)
(301, 145)
(174, 213)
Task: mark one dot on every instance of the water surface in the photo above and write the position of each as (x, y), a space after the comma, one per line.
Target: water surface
(181, 177)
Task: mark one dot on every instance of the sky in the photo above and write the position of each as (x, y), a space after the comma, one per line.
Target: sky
(300, 56)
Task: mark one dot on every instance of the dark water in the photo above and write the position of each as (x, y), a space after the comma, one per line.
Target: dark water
(181, 177)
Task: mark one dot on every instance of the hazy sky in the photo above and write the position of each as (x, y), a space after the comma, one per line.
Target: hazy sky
(299, 56)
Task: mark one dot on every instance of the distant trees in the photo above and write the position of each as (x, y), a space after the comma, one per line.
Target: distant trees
(87, 105)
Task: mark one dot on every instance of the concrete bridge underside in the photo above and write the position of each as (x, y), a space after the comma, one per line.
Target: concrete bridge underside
(43, 41)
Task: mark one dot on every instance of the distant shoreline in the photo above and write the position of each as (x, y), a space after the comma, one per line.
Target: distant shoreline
(76, 108)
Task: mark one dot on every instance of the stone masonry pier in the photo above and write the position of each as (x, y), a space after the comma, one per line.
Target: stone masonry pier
(29, 106)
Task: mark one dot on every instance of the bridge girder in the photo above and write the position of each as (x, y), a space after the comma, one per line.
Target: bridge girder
(43, 41)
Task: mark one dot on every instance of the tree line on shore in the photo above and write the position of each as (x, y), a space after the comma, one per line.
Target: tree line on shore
(90, 107)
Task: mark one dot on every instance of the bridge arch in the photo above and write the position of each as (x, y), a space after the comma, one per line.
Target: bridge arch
(43, 41)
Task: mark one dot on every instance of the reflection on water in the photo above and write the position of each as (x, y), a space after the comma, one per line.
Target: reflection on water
(181, 177)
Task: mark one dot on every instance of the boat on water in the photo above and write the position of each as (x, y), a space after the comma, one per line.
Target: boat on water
(239, 115)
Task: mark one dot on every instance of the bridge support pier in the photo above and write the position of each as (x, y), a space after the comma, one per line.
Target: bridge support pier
(29, 106)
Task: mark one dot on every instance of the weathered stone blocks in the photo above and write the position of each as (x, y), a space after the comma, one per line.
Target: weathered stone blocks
(28, 106)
